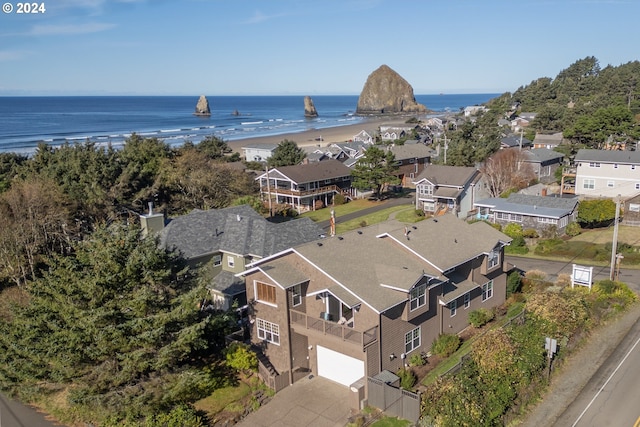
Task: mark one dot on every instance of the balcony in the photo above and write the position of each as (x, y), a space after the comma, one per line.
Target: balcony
(568, 182)
(303, 322)
(304, 193)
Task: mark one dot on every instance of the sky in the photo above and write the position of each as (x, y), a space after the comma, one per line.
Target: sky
(302, 47)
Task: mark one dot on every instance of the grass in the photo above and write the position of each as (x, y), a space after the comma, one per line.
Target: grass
(325, 213)
(391, 422)
(224, 398)
(374, 218)
(626, 234)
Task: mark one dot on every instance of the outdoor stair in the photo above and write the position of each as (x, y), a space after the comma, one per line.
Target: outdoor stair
(264, 360)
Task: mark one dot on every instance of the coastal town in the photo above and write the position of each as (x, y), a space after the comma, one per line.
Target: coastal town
(366, 272)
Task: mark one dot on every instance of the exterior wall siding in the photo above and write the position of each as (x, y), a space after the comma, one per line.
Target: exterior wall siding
(624, 179)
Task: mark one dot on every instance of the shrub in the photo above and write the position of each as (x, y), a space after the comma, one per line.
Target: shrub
(445, 345)
(241, 358)
(416, 359)
(514, 283)
(513, 230)
(530, 233)
(419, 212)
(339, 199)
(407, 379)
(573, 229)
(480, 317)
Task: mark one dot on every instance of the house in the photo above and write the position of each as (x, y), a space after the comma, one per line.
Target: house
(607, 173)
(355, 305)
(473, 110)
(544, 162)
(258, 152)
(631, 209)
(223, 241)
(411, 159)
(364, 137)
(550, 142)
(441, 188)
(515, 141)
(541, 213)
(305, 186)
(391, 133)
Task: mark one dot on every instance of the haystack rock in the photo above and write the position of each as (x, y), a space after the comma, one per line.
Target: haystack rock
(386, 92)
(202, 107)
(309, 108)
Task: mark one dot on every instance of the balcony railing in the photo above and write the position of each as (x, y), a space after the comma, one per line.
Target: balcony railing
(304, 193)
(327, 327)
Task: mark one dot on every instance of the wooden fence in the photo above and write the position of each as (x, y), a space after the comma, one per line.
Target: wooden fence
(393, 400)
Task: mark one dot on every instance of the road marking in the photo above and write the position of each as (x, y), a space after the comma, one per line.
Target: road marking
(605, 384)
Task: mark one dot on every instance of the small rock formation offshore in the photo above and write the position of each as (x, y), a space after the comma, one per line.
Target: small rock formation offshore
(202, 107)
(386, 92)
(309, 108)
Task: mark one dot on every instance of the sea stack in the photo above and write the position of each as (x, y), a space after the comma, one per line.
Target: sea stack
(309, 108)
(386, 92)
(202, 107)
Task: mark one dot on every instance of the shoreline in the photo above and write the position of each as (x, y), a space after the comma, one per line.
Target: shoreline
(319, 137)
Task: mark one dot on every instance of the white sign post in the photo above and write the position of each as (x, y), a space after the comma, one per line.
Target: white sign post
(551, 345)
(581, 275)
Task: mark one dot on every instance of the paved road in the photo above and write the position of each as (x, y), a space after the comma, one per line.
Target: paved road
(14, 414)
(611, 395)
(553, 268)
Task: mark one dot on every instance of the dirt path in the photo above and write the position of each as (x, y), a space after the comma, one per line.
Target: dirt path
(569, 378)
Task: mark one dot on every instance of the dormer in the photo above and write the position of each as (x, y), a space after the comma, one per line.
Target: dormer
(492, 260)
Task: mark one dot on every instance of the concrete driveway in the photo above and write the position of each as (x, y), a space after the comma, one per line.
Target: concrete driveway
(316, 402)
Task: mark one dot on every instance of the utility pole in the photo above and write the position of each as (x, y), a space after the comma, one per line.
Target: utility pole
(445, 148)
(614, 246)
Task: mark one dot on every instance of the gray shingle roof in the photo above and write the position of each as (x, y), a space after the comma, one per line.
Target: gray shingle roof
(608, 156)
(447, 175)
(524, 204)
(543, 155)
(378, 265)
(227, 283)
(514, 141)
(411, 151)
(317, 171)
(239, 230)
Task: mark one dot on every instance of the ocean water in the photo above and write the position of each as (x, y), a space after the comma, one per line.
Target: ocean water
(27, 121)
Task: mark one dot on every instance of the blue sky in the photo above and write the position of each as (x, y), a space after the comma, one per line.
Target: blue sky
(301, 47)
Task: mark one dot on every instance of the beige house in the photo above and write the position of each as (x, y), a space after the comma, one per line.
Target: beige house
(607, 173)
(352, 306)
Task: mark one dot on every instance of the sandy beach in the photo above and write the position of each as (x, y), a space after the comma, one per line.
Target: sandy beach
(321, 137)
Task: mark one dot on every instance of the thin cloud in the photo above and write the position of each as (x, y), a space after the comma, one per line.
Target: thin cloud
(47, 30)
(11, 55)
(259, 17)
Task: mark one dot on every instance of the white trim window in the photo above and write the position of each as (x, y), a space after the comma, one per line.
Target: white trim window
(217, 260)
(487, 290)
(418, 297)
(546, 220)
(589, 184)
(296, 295)
(268, 331)
(467, 300)
(611, 184)
(493, 259)
(634, 207)
(453, 306)
(231, 261)
(594, 164)
(412, 340)
(425, 190)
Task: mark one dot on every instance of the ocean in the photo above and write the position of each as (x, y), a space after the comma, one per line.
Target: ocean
(55, 120)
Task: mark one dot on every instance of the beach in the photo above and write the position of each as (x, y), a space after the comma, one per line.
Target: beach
(320, 137)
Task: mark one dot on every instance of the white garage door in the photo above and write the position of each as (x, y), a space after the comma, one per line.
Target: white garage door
(338, 367)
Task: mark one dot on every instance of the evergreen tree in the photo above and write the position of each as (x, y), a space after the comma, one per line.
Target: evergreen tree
(374, 170)
(287, 153)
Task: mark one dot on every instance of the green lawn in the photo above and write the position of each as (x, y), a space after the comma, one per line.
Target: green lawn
(224, 398)
(325, 213)
(374, 218)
